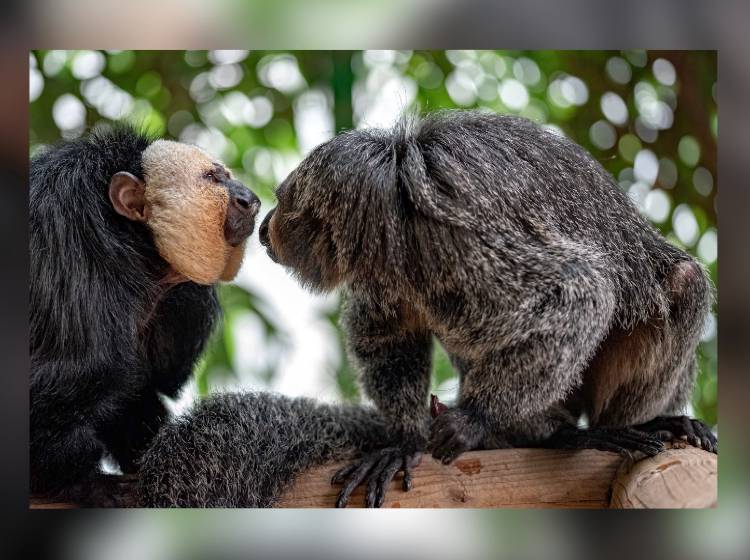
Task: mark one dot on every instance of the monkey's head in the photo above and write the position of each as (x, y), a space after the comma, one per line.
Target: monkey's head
(376, 209)
(199, 214)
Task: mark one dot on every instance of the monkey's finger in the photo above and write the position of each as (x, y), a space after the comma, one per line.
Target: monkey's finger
(374, 479)
(447, 452)
(707, 444)
(707, 438)
(664, 435)
(385, 478)
(646, 446)
(629, 437)
(410, 463)
(355, 479)
(339, 476)
(440, 435)
(689, 429)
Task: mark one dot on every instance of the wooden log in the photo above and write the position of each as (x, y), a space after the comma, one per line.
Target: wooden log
(683, 477)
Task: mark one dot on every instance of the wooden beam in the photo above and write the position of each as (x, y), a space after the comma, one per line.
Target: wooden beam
(681, 477)
(508, 478)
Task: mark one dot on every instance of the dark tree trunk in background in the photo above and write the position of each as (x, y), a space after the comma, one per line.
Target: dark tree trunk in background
(342, 80)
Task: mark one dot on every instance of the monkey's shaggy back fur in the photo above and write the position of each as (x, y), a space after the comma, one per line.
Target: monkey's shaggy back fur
(242, 450)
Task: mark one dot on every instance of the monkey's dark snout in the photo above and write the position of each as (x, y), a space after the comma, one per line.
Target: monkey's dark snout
(244, 200)
(264, 236)
(240, 219)
(263, 231)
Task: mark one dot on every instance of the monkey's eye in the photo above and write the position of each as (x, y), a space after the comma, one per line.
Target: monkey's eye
(211, 176)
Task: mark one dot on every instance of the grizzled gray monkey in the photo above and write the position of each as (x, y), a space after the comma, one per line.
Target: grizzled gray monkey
(515, 249)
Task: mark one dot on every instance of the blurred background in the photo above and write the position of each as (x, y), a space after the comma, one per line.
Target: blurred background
(649, 117)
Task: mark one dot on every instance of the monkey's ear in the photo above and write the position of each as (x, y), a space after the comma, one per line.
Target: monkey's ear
(128, 196)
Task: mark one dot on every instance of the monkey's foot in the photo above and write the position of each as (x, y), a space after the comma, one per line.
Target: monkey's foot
(669, 428)
(377, 469)
(457, 430)
(619, 440)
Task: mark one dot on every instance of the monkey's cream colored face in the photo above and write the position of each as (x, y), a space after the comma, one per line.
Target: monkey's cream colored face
(187, 211)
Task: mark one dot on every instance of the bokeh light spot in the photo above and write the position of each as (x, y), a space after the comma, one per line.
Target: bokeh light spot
(708, 247)
(667, 173)
(514, 94)
(689, 150)
(36, 84)
(646, 167)
(87, 64)
(629, 146)
(618, 69)
(657, 206)
(685, 225)
(614, 108)
(703, 181)
(664, 71)
(526, 71)
(603, 135)
(68, 112)
(54, 62)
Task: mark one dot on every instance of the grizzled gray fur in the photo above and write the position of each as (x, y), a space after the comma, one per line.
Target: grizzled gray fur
(241, 450)
(515, 249)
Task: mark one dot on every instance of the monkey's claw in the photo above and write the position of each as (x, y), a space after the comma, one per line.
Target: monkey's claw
(453, 432)
(377, 469)
(669, 428)
(618, 440)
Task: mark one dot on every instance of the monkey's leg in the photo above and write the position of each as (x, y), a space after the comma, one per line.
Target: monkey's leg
(127, 437)
(394, 366)
(509, 394)
(643, 377)
(69, 404)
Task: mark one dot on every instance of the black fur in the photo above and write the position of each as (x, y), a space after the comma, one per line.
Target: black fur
(106, 337)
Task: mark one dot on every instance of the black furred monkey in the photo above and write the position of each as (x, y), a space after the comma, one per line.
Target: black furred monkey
(514, 248)
(127, 238)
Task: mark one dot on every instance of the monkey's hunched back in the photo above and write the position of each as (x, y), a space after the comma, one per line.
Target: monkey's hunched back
(506, 177)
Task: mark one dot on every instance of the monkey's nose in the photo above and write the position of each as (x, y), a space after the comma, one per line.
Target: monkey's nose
(245, 201)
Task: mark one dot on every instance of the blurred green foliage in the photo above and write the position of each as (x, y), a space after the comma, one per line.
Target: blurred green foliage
(649, 117)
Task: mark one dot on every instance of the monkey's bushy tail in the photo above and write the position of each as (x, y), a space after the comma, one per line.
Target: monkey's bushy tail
(243, 449)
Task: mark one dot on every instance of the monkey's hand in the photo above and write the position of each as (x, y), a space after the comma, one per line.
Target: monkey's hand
(669, 428)
(377, 469)
(457, 430)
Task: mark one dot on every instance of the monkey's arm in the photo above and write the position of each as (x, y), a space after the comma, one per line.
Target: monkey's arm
(394, 366)
(184, 321)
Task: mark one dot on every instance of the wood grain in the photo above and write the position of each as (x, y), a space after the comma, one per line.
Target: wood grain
(507, 478)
